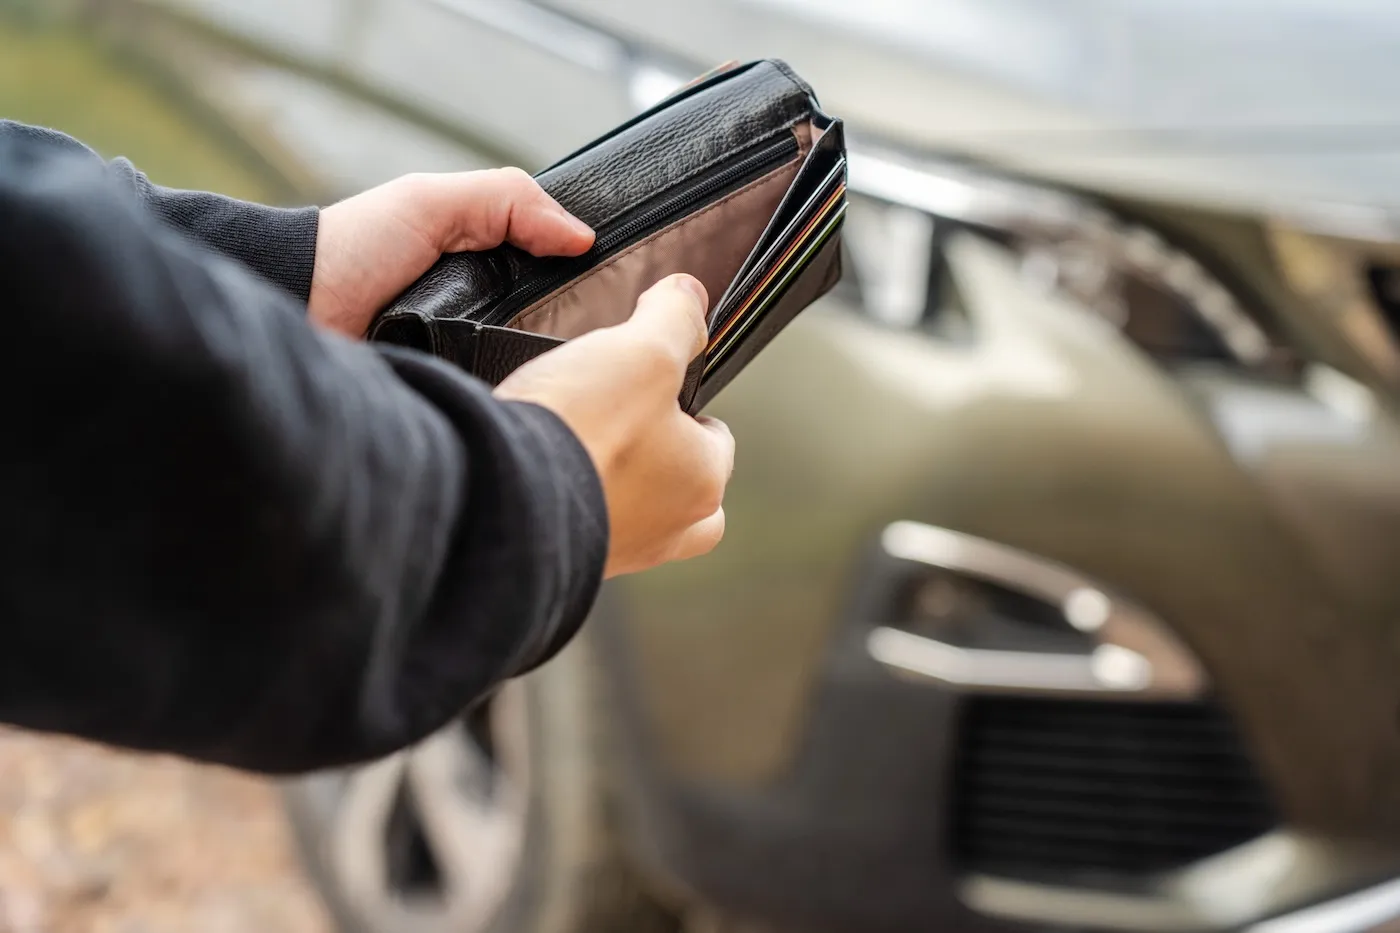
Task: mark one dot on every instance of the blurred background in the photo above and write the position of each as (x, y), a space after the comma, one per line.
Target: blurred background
(1060, 584)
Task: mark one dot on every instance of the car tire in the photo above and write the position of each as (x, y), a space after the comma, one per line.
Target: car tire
(496, 824)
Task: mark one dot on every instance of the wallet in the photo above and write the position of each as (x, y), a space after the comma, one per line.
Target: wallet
(738, 178)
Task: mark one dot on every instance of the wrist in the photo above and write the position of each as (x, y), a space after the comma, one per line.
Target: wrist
(599, 453)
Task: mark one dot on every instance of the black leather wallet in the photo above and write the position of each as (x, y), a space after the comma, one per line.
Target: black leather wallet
(738, 179)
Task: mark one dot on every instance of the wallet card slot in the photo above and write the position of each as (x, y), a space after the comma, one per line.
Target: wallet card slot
(827, 153)
(821, 228)
(819, 276)
(776, 247)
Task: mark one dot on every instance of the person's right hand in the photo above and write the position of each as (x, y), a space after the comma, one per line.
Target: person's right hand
(663, 472)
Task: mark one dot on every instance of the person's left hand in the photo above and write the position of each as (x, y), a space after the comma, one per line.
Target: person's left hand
(372, 246)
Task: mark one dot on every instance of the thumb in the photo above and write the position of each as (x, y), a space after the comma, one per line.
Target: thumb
(672, 314)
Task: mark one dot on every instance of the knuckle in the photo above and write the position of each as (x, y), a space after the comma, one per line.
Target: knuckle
(655, 358)
(708, 499)
(712, 535)
(714, 493)
(699, 333)
(516, 180)
(672, 354)
(697, 510)
(415, 186)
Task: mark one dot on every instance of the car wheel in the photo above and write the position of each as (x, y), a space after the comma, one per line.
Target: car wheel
(495, 824)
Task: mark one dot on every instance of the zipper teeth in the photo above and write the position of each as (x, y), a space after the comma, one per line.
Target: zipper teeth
(709, 186)
(678, 202)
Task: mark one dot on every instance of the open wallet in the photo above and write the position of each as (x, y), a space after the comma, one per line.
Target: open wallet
(737, 178)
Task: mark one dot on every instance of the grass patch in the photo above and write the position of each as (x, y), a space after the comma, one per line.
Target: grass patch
(54, 74)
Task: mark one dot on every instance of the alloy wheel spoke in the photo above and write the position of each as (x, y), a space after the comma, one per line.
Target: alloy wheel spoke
(467, 803)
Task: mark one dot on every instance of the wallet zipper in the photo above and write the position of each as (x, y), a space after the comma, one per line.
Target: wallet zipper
(731, 174)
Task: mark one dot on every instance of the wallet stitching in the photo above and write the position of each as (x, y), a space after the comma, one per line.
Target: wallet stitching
(751, 186)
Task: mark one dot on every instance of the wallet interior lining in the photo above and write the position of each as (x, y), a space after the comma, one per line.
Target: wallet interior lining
(710, 244)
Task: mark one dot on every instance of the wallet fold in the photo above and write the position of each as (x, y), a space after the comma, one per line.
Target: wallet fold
(737, 179)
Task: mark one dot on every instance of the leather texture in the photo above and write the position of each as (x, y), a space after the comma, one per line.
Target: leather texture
(698, 129)
(489, 353)
(678, 143)
(496, 352)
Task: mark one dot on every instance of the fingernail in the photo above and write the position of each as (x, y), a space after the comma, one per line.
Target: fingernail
(691, 284)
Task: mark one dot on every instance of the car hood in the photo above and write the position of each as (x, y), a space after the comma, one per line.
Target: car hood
(1252, 104)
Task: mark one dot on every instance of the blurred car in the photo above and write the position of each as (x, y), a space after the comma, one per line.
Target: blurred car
(1059, 588)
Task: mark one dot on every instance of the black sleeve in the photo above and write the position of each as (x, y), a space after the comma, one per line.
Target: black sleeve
(231, 536)
(277, 243)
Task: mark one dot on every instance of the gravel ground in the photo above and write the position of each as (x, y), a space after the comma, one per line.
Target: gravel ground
(95, 841)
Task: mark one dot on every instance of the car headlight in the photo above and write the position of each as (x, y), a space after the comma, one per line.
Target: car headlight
(1351, 280)
(1158, 294)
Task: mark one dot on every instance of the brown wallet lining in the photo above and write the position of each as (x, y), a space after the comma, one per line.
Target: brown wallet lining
(711, 245)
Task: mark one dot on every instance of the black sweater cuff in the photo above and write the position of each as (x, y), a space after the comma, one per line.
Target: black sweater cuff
(278, 243)
(557, 459)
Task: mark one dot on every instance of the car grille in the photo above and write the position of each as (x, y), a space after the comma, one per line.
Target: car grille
(1046, 788)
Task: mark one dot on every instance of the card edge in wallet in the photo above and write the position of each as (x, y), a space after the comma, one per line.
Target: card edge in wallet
(824, 226)
(826, 266)
(741, 289)
(831, 144)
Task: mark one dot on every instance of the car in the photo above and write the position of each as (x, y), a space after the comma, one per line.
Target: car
(1059, 585)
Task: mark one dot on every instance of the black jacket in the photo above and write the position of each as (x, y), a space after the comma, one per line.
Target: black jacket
(229, 535)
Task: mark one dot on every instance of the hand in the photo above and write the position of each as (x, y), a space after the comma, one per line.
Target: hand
(374, 245)
(663, 472)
